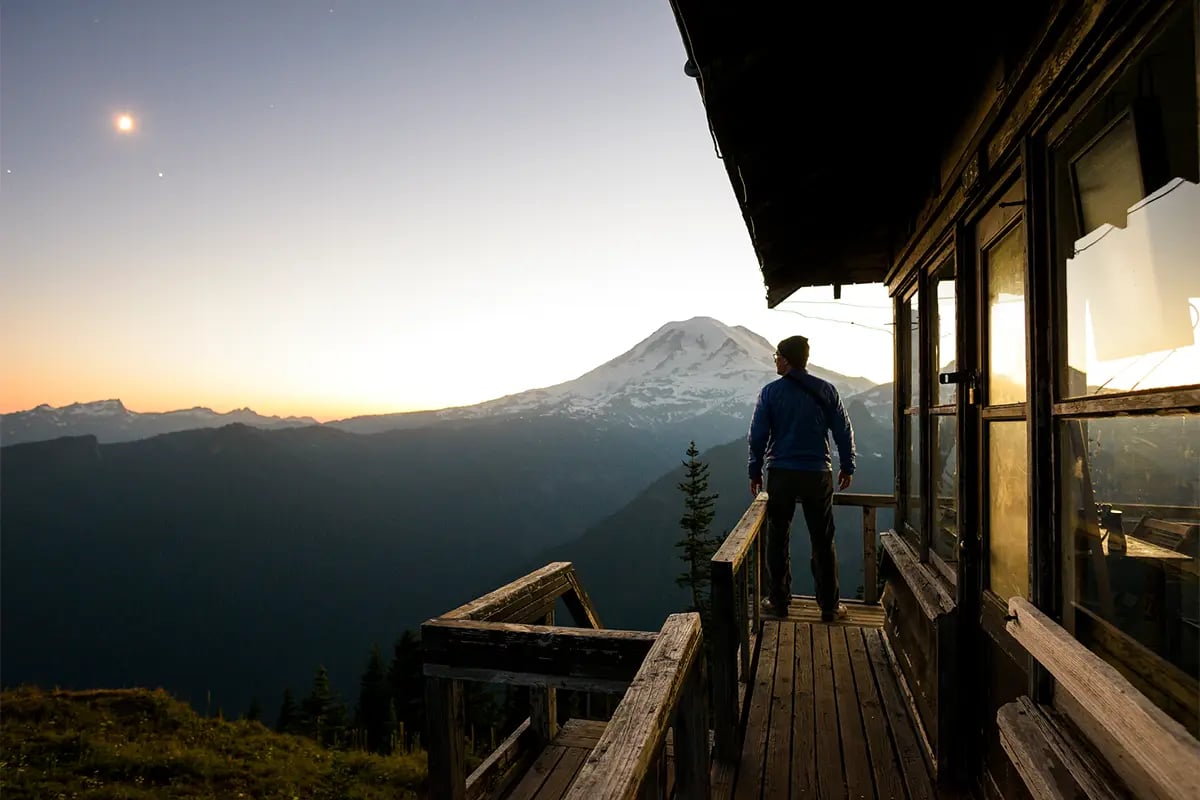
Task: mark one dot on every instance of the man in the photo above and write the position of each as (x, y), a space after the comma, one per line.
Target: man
(789, 438)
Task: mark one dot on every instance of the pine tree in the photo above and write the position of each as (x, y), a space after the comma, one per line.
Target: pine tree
(324, 715)
(374, 702)
(254, 712)
(289, 714)
(408, 686)
(697, 545)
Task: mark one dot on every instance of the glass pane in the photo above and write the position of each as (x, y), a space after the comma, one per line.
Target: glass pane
(1008, 520)
(1006, 318)
(945, 487)
(914, 350)
(944, 353)
(913, 508)
(1131, 522)
(1133, 293)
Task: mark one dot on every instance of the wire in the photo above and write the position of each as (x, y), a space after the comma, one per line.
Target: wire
(839, 303)
(839, 321)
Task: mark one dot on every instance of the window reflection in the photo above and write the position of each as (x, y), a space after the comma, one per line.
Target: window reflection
(914, 350)
(913, 507)
(1131, 517)
(1134, 298)
(1008, 517)
(945, 487)
(1006, 318)
(944, 355)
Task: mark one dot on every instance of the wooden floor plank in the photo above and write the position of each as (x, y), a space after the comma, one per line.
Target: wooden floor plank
(748, 783)
(777, 773)
(860, 783)
(563, 774)
(830, 783)
(805, 609)
(579, 733)
(912, 763)
(529, 785)
(888, 783)
(804, 743)
(722, 779)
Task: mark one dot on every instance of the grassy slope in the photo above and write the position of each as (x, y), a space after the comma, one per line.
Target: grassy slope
(134, 743)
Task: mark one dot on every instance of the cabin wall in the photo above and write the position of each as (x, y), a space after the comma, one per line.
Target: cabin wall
(944, 621)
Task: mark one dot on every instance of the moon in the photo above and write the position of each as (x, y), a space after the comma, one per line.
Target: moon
(125, 123)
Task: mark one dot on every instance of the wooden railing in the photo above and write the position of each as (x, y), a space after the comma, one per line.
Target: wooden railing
(736, 588)
(508, 637)
(667, 692)
(1151, 752)
(870, 504)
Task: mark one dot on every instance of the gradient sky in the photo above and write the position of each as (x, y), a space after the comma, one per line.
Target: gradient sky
(345, 207)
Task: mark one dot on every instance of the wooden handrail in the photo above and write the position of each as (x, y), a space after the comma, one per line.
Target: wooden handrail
(488, 639)
(1161, 748)
(864, 500)
(743, 536)
(668, 691)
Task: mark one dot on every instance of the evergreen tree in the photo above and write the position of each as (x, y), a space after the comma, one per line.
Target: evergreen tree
(254, 712)
(323, 714)
(374, 703)
(697, 545)
(408, 686)
(289, 714)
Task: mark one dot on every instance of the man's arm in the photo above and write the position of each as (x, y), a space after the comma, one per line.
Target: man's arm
(760, 433)
(843, 437)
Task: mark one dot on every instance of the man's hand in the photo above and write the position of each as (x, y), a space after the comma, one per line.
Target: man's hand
(844, 480)
(755, 486)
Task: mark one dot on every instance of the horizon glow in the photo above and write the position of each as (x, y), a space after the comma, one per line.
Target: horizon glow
(396, 207)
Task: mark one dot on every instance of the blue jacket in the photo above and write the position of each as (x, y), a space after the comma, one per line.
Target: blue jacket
(790, 430)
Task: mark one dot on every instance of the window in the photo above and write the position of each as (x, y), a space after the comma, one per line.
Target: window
(1126, 199)
(913, 507)
(943, 420)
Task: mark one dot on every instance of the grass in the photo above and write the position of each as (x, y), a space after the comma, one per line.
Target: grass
(137, 744)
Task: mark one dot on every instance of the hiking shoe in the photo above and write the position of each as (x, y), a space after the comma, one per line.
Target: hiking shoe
(838, 613)
(773, 610)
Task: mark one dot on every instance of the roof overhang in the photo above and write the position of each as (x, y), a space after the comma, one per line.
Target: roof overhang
(831, 121)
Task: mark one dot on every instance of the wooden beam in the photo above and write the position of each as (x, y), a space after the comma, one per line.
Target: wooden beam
(504, 765)
(546, 650)
(737, 544)
(1147, 400)
(445, 724)
(1160, 745)
(725, 618)
(502, 605)
(1050, 759)
(864, 500)
(870, 552)
(543, 702)
(692, 780)
(579, 605)
(621, 760)
(933, 598)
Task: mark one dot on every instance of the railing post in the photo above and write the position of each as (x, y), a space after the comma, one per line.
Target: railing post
(870, 554)
(724, 661)
(742, 592)
(543, 706)
(446, 732)
(691, 739)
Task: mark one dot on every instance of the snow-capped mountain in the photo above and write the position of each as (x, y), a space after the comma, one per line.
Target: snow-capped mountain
(684, 370)
(110, 421)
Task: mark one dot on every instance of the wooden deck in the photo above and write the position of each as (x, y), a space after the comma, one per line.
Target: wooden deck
(556, 767)
(826, 716)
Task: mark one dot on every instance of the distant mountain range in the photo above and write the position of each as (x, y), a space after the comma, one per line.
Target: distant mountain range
(110, 421)
(698, 369)
(233, 560)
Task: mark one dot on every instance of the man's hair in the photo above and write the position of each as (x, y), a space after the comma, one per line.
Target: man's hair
(795, 350)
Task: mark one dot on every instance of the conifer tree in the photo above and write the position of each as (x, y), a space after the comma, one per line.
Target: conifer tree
(408, 685)
(289, 714)
(697, 545)
(254, 712)
(374, 702)
(324, 715)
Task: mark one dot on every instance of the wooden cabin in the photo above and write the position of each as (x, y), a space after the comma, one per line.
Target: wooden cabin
(1025, 179)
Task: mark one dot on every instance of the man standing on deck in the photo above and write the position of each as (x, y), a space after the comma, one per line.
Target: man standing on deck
(789, 438)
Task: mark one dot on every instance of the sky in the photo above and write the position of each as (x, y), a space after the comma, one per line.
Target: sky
(338, 208)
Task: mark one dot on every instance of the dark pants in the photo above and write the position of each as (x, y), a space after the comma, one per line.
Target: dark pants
(814, 492)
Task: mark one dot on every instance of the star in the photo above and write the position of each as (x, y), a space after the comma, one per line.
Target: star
(160, 174)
